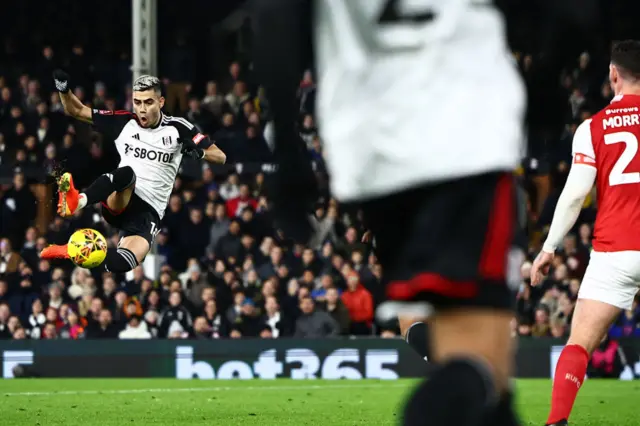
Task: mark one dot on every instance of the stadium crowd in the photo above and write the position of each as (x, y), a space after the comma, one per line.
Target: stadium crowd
(226, 272)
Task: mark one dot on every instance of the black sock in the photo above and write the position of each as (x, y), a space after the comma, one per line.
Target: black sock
(418, 338)
(108, 183)
(120, 260)
(504, 413)
(458, 394)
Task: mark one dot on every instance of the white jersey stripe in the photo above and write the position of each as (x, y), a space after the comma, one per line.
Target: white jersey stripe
(181, 121)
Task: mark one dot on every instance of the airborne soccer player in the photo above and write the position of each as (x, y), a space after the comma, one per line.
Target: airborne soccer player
(605, 152)
(133, 196)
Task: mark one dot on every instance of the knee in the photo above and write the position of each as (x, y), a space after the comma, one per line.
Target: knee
(124, 178)
(586, 343)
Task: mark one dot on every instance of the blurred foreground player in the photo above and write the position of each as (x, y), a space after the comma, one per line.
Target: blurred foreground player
(415, 135)
(432, 172)
(605, 152)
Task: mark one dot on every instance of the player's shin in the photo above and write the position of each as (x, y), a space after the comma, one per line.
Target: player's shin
(504, 413)
(108, 183)
(120, 260)
(591, 320)
(568, 378)
(459, 382)
(474, 350)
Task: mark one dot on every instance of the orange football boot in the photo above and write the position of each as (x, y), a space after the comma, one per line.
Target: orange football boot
(68, 196)
(54, 252)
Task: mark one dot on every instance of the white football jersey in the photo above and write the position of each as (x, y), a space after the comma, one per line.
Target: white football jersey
(153, 153)
(414, 91)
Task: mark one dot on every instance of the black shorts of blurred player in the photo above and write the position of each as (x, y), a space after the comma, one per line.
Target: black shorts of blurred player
(445, 246)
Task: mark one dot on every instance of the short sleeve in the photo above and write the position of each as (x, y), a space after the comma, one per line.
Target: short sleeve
(583, 152)
(110, 123)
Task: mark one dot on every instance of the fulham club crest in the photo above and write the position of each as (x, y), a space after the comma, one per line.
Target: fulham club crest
(166, 140)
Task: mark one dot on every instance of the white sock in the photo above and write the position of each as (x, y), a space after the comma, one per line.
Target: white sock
(82, 201)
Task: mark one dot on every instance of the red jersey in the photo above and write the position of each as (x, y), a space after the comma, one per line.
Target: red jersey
(609, 142)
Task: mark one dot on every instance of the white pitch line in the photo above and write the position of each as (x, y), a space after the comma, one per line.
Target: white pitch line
(209, 389)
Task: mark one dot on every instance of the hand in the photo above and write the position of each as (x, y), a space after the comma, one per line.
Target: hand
(191, 149)
(61, 80)
(541, 267)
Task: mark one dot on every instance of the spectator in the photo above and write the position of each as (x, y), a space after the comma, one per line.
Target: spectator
(237, 97)
(278, 323)
(55, 295)
(19, 334)
(202, 329)
(29, 252)
(4, 291)
(230, 189)
(18, 209)
(338, 311)
(36, 320)
(607, 361)
(234, 311)
(135, 329)
(359, 303)
(219, 227)
(541, 326)
(266, 332)
(175, 317)
(4, 319)
(320, 294)
(524, 303)
(79, 279)
(50, 331)
(308, 130)
(213, 101)
(93, 315)
(104, 328)
(194, 235)
(9, 259)
(73, 329)
(236, 205)
(270, 268)
(151, 320)
(313, 323)
(230, 245)
(200, 117)
(217, 323)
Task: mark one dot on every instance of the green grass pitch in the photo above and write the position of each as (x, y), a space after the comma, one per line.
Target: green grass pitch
(280, 402)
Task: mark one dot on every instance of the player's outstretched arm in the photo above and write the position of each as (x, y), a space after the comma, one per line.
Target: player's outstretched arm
(581, 178)
(213, 154)
(72, 105)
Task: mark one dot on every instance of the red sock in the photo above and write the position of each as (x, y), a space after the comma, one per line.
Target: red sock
(570, 372)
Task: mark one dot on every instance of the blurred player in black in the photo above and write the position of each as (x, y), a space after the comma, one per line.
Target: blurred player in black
(416, 136)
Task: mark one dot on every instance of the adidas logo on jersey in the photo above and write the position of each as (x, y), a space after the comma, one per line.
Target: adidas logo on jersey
(136, 136)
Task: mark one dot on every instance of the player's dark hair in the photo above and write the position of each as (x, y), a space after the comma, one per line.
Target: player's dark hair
(147, 82)
(625, 55)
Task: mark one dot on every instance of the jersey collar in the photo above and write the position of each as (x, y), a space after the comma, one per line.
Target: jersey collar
(618, 98)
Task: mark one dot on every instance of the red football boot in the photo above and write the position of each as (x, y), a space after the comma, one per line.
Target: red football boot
(54, 252)
(68, 196)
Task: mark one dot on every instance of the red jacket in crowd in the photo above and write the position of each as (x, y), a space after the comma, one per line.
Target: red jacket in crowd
(236, 205)
(358, 301)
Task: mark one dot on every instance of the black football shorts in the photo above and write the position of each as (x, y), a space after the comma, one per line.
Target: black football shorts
(447, 243)
(138, 218)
